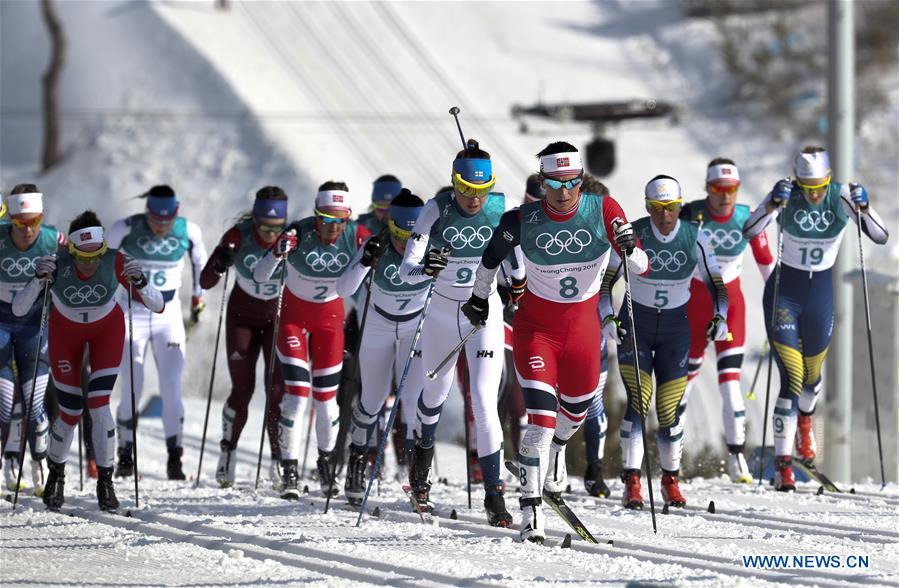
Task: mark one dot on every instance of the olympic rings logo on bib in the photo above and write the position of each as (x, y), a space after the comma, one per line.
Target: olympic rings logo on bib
(814, 220)
(250, 261)
(85, 294)
(666, 261)
(327, 261)
(392, 274)
(154, 246)
(24, 266)
(467, 237)
(724, 238)
(563, 242)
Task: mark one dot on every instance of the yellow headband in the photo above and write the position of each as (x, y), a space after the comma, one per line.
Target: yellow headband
(472, 190)
(397, 232)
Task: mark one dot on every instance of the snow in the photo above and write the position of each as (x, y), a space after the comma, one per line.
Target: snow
(220, 103)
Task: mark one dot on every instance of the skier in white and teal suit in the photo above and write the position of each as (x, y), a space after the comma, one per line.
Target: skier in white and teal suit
(814, 212)
(676, 249)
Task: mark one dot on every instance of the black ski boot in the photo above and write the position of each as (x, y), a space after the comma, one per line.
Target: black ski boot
(173, 468)
(290, 480)
(593, 481)
(55, 486)
(354, 488)
(420, 477)
(125, 468)
(495, 505)
(106, 491)
(325, 467)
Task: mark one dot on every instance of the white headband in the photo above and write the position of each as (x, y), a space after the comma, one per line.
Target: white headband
(663, 190)
(86, 236)
(722, 173)
(812, 165)
(561, 164)
(31, 202)
(333, 199)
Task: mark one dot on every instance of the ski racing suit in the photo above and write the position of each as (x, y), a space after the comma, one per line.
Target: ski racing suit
(803, 310)
(249, 329)
(556, 328)
(162, 259)
(662, 331)
(311, 308)
(86, 313)
(442, 223)
(725, 233)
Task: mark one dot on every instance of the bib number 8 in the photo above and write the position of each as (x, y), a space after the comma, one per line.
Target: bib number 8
(568, 287)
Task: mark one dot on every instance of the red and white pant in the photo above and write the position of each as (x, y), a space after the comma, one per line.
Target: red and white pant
(309, 331)
(67, 339)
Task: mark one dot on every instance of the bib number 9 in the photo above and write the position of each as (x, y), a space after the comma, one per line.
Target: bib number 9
(463, 276)
(811, 256)
(568, 287)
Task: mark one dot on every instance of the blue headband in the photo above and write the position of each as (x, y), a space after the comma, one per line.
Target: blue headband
(270, 208)
(474, 170)
(404, 217)
(162, 206)
(384, 192)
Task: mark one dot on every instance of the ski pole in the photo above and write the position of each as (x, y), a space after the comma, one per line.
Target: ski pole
(466, 400)
(758, 370)
(861, 259)
(780, 228)
(133, 401)
(215, 353)
(371, 276)
(633, 333)
(80, 462)
(454, 110)
(270, 377)
(452, 354)
(399, 390)
(29, 406)
(512, 305)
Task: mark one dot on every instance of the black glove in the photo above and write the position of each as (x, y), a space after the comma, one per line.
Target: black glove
(516, 293)
(476, 310)
(436, 261)
(372, 251)
(625, 237)
(224, 257)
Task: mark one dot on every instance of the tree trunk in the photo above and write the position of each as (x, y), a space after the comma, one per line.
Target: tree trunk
(51, 84)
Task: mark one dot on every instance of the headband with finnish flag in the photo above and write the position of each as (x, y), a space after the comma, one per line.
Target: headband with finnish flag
(723, 173)
(263, 208)
(86, 236)
(556, 165)
(812, 165)
(334, 200)
(28, 203)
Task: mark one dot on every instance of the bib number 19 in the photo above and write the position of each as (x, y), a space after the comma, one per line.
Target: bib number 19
(568, 287)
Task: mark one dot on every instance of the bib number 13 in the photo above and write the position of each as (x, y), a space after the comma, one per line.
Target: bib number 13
(568, 287)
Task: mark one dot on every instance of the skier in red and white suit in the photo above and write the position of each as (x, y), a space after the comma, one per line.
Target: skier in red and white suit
(566, 241)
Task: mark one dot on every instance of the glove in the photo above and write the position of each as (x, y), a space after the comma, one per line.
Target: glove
(717, 330)
(516, 293)
(625, 237)
(435, 261)
(476, 310)
(134, 274)
(612, 329)
(224, 257)
(286, 243)
(372, 251)
(44, 268)
(859, 196)
(780, 193)
(197, 306)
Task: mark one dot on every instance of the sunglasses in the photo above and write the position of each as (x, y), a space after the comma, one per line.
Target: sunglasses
(657, 206)
(88, 257)
(812, 187)
(330, 218)
(269, 229)
(558, 184)
(723, 190)
(469, 190)
(401, 234)
(24, 224)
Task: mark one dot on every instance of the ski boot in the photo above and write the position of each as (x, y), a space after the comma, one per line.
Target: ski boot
(631, 498)
(671, 493)
(784, 481)
(224, 471)
(54, 488)
(11, 472)
(557, 473)
(354, 487)
(290, 481)
(737, 469)
(92, 468)
(125, 468)
(325, 467)
(495, 505)
(805, 439)
(37, 476)
(593, 481)
(420, 477)
(173, 467)
(106, 491)
(533, 522)
(477, 475)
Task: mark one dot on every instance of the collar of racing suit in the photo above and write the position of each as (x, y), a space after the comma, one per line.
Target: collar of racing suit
(557, 216)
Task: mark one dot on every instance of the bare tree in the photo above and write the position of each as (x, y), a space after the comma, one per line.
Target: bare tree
(51, 84)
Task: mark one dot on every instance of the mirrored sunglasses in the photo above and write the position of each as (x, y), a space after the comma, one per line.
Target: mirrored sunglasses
(670, 206)
(723, 189)
(24, 224)
(558, 184)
